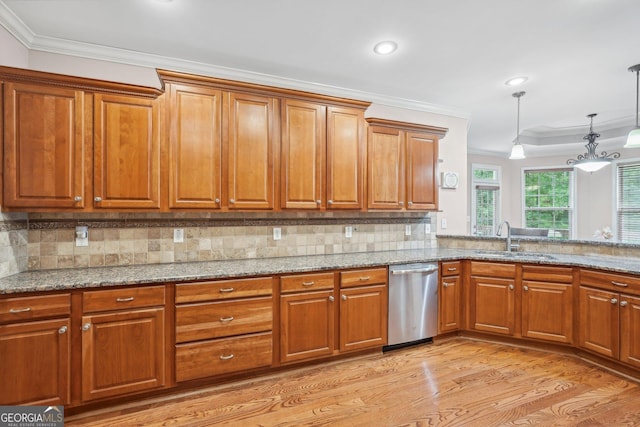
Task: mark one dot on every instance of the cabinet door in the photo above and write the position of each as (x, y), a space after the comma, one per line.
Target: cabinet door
(493, 305)
(122, 352)
(302, 154)
(44, 147)
(421, 161)
(345, 158)
(363, 317)
(599, 321)
(127, 152)
(250, 151)
(630, 330)
(547, 312)
(35, 363)
(306, 325)
(195, 154)
(449, 304)
(385, 172)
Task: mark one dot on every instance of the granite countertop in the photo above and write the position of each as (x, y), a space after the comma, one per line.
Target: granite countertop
(64, 279)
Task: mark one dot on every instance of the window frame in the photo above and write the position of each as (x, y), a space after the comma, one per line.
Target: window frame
(485, 182)
(616, 193)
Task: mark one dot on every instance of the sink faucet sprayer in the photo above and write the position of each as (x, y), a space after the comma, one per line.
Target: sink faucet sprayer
(510, 246)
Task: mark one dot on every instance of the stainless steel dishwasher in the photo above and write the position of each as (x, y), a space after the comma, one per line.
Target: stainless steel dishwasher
(413, 303)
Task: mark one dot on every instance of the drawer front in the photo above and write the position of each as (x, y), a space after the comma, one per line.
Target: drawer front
(36, 307)
(223, 319)
(372, 276)
(547, 274)
(223, 356)
(123, 298)
(611, 281)
(306, 282)
(224, 289)
(451, 268)
(493, 269)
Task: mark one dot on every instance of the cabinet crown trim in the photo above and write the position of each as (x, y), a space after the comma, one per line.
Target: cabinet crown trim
(440, 132)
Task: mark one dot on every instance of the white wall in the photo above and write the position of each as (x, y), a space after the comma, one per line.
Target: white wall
(453, 157)
(12, 52)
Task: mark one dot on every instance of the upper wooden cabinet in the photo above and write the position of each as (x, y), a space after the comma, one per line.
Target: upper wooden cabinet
(402, 165)
(45, 146)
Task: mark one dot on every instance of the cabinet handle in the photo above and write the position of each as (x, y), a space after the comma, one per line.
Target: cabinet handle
(77, 199)
(401, 203)
(511, 287)
(365, 278)
(19, 310)
(330, 202)
(623, 303)
(62, 330)
(127, 299)
(226, 290)
(232, 200)
(614, 301)
(86, 326)
(526, 288)
(308, 283)
(229, 357)
(97, 199)
(623, 285)
(445, 284)
(452, 269)
(226, 319)
(331, 299)
(217, 200)
(344, 297)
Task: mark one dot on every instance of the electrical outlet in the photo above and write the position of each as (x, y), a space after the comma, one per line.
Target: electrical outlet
(348, 232)
(407, 230)
(178, 235)
(277, 233)
(443, 223)
(427, 228)
(82, 235)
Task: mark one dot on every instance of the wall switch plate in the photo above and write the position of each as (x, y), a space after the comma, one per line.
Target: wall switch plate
(277, 233)
(82, 235)
(407, 230)
(348, 232)
(178, 235)
(427, 229)
(443, 223)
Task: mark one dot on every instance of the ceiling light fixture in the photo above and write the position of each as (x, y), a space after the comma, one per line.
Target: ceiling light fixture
(517, 151)
(633, 140)
(590, 161)
(385, 47)
(516, 81)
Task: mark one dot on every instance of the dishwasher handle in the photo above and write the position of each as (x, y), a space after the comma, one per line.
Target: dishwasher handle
(415, 270)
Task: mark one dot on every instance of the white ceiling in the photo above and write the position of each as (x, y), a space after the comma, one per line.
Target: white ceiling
(454, 55)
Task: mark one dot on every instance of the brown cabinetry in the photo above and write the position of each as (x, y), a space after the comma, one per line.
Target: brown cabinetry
(123, 341)
(402, 165)
(449, 299)
(35, 345)
(223, 327)
(493, 297)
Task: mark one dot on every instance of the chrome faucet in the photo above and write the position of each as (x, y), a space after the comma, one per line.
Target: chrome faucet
(510, 246)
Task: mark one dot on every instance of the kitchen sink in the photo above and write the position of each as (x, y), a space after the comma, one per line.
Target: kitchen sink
(515, 255)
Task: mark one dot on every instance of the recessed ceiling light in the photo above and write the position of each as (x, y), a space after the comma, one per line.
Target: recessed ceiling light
(385, 47)
(515, 81)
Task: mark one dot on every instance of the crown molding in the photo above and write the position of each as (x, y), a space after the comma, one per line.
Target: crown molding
(15, 26)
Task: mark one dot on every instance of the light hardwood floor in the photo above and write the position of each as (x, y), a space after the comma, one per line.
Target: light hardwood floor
(457, 382)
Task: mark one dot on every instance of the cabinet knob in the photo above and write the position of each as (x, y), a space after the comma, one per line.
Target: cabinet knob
(62, 330)
(217, 200)
(511, 287)
(330, 202)
(401, 203)
(331, 298)
(86, 326)
(614, 300)
(410, 203)
(445, 284)
(623, 303)
(97, 199)
(526, 288)
(318, 202)
(344, 297)
(77, 198)
(232, 200)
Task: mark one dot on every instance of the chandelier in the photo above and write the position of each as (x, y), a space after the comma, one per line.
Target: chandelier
(590, 161)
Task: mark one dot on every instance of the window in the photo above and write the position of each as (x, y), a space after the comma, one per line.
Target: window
(485, 199)
(628, 202)
(548, 201)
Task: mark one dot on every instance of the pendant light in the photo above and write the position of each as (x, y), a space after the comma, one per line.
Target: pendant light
(633, 140)
(517, 151)
(590, 161)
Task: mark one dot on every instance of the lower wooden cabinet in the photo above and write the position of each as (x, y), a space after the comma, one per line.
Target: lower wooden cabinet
(630, 330)
(363, 317)
(493, 305)
(599, 321)
(449, 297)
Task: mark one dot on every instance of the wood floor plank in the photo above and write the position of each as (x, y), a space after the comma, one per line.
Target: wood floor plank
(457, 382)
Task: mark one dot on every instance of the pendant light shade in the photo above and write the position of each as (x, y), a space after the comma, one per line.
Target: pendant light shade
(633, 140)
(517, 151)
(590, 161)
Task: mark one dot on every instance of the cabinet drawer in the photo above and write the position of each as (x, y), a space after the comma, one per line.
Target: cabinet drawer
(306, 282)
(224, 289)
(222, 319)
(614, 282)
(222, 356)
(493, 269)
(372, 276)
(27, 308)
(124, 298)
(451, 268)
(547, 274)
